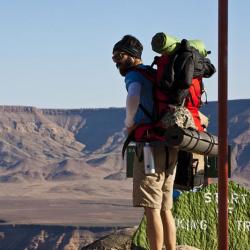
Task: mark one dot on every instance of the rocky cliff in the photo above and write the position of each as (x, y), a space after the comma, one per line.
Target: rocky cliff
(57, 144)
(50, 144)
(238, 135)
(35, 237)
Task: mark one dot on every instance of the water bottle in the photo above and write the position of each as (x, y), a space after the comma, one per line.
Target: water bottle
(149, 165)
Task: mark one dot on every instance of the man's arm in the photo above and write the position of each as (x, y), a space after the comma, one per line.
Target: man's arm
(132, 103)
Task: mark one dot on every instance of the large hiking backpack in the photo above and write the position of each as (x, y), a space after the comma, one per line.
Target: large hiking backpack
(176, 81)
(176, 72)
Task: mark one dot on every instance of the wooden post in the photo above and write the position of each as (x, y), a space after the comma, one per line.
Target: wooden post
(222, 119)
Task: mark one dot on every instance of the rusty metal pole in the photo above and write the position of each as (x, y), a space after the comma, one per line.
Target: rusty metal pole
(223, 127)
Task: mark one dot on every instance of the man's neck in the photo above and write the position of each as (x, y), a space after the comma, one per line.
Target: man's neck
(137, 62)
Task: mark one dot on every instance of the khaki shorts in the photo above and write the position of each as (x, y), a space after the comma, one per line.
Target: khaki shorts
(155, 190)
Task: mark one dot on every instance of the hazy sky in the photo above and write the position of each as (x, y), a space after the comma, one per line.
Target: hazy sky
(57, 53)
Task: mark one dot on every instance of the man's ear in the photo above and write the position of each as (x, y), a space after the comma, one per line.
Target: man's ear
(130, 61)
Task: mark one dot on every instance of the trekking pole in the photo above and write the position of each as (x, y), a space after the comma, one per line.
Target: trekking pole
(222, 119)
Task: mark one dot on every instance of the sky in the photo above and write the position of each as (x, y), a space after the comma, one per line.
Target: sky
(57, 53)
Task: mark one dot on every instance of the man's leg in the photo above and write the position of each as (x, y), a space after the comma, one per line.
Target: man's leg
(147, 193)
(154, 228)
(166, 214)
(169, 229)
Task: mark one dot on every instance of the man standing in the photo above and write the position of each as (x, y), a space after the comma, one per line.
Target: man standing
(152, 192)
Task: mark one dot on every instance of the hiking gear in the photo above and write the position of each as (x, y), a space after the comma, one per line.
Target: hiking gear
(165, 100)
(184, 178)
(149, 164)
(193, 102)
(178, 115)
(176, 82)
(180, 76)
(190, 171)
(184, 65)
(160, 96)
(130, 45)
(179, 64)
(176, 73)
(200, 46)
(186, 139)
(131, 51)
(166, 44)
(130, 154)
(191, 140)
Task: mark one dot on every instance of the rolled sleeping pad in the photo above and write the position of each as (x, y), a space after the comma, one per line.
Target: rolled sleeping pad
(166, 44)
(163, 43)
(192, 140)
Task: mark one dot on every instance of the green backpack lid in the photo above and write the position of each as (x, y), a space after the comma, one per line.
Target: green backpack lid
(200, 46)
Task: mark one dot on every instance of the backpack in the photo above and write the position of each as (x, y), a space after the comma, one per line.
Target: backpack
(176, 72)
(184, 178)
(177, 81)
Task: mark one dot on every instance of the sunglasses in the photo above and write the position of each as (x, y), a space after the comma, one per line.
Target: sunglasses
(118, 56)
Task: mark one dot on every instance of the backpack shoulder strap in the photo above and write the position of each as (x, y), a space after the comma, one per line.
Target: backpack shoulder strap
(148, 72)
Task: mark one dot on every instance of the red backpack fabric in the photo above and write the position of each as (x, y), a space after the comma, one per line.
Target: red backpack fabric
(162, 96)
(193, 101)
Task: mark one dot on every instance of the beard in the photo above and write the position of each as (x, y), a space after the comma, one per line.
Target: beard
(125, 66)
(123, 71)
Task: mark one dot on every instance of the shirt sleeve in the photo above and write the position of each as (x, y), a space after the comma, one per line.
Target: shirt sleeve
(132, 103)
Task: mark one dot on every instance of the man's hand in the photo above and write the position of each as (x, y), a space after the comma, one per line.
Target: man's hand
(130, 129)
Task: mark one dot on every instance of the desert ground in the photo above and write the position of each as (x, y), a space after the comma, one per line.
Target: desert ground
(104, 203)
(92, 202)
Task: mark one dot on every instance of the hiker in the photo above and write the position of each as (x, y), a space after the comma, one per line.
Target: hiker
(153, 192)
